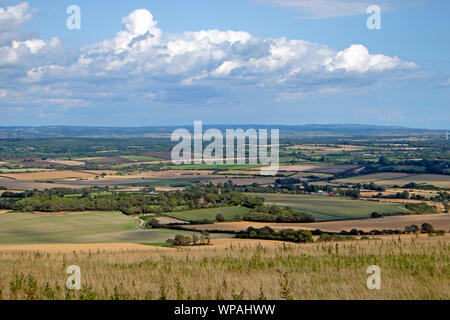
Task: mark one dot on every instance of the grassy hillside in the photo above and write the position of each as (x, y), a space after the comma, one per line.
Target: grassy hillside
(329, 208)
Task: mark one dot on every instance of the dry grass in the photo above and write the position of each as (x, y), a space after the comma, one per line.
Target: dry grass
(410, 269)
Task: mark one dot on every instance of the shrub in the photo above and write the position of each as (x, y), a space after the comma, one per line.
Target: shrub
(220, 217)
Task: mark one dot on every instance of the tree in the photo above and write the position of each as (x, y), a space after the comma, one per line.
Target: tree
(375, 215)
(220, 217)
(427, 228)
(181, 240)
(412, 229)
(195, 238)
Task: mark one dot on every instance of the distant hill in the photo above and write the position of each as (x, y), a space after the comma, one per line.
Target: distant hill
(24, 132)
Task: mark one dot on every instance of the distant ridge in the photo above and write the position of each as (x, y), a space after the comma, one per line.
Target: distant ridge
(27, 132)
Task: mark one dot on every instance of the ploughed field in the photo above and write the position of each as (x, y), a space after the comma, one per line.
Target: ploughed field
(331, 208)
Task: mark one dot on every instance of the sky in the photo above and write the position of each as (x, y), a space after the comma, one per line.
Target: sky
(170, 62)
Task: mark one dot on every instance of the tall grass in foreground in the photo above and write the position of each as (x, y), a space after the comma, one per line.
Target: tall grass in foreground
(410, 269)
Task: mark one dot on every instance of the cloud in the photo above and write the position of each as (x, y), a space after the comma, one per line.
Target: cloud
(13, 17)
(141, 65)
(318, 9)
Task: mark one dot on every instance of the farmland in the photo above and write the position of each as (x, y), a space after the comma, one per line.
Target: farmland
(229, 213)
(439, 221)
(324, 174)
(395, 178)
(86, 227)
(330, 208)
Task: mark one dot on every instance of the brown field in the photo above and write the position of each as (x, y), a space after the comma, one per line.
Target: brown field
(162, 174)
(162, 155)
(438, 221)
(64, 174)
(318, 168)
(394, 178)
(41, 164)
(411, 268)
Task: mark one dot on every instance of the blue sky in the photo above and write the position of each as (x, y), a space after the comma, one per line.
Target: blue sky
(170, 62)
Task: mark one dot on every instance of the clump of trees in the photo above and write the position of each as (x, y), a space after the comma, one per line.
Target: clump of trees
(267, 233)
(183, 240)
(274, 213)
(325, 237)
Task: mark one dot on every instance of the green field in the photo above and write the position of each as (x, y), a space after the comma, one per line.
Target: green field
(142, 158)
(229, 213)
(160, 183)
(224, 166)
(328, 208)
(89, 227)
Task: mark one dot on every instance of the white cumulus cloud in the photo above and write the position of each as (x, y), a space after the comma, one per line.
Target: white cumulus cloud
(141, 64)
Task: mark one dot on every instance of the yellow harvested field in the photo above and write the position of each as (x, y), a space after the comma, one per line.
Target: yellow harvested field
(392, 191)
(78, 247)
(56, 248)
(438, 221)
(67, 162)
(159, 174)
(64, 174)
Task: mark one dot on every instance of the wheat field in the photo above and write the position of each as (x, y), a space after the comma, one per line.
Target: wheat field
(411, 268)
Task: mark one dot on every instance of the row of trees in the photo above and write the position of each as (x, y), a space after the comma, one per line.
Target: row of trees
(267, 233)
(194, 197)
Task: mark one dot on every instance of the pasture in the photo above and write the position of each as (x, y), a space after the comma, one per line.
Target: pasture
(331, 208)
(229, 213)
